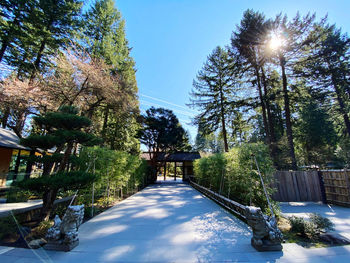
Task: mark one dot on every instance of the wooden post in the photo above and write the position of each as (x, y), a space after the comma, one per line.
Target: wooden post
(165, 171)
(183, 171)
(348, 184)
(175, 172)
(323, 190)
(29, 165)
(18, 162)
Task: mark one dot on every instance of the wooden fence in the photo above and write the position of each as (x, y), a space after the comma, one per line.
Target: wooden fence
(297, 186)
(328, 186)
(337, 187)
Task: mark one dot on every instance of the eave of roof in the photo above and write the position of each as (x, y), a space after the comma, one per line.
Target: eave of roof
(173, 157)
(9, 139)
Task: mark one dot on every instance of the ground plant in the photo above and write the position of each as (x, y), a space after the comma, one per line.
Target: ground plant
(307, 232)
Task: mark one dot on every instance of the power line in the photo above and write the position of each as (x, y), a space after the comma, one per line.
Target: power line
(188, 114)
(167, 102)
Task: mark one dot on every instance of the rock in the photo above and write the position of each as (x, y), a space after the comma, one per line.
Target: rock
(334, 239)
(36, 243)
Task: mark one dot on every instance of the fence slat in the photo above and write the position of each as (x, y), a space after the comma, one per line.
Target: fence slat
(297, 186)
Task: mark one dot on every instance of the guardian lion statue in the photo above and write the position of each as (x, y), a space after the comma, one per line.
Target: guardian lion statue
(266, 235)
(64, 234)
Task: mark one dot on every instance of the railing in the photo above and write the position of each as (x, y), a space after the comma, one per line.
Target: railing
(236, 208)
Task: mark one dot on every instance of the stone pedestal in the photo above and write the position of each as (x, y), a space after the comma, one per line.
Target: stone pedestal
(266, 246)
(59, 246)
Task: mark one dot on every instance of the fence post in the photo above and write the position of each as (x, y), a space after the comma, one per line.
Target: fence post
(323, 190)
(347, 182)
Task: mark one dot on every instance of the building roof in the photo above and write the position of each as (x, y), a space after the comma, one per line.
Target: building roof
(9, 139)
(172, 157)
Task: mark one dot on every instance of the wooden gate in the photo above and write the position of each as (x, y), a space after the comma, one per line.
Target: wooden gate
(297, 186)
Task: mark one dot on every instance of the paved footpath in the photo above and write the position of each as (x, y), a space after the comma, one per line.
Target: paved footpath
(170, 223)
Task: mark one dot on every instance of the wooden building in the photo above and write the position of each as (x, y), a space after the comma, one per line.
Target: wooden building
(10, 152)
(184, 160)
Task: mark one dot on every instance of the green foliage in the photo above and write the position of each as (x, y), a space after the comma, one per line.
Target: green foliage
(162, 131)
(37, 29)
(114, 168)
(293, 96)
(322, 223)
(343, 151)
(234, 174)
(40, 231)
(103, 36)
(15, 195)
(214, 93)
(312, 228)
(297, 224)
(316, 134)
(63, 180)
(8, 226)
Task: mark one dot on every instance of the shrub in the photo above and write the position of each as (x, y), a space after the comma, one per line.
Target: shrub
(8, 227)
(322, 223)
(311, 229)
(15, 195)
(41, 230)
(297, 225)
(234, 174)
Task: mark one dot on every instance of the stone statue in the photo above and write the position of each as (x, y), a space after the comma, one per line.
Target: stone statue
(266, 235)
(64, 234)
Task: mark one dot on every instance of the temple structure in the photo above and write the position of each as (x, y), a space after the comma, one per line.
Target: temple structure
(184, 160)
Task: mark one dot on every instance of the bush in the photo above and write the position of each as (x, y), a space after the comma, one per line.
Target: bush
(15, 195)
(297, 224)
(322, 223)
(41, 230)
(64, 180)
(8, 227)
(234, 174)
(311, 229)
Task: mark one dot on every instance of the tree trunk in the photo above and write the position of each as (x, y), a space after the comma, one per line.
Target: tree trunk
(37, 61)
(223, 123)
(4, 45)
(273, 146)
(49, 198)
(18, 162)
(30, 164)
(66, 156)
(5, 117)
(105, 121)
(262, 104)
(287, 112)
(341, 105)
(19, 125)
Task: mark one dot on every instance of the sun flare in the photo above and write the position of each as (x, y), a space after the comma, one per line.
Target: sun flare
(275, 42)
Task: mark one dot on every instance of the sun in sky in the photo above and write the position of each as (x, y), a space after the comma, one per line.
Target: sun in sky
(276, 41)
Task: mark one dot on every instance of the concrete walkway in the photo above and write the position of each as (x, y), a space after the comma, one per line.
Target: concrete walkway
(170, 223)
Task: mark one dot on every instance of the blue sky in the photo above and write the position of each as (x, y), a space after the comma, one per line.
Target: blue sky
(171, 40)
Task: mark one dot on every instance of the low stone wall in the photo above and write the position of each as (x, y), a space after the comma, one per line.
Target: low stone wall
(32, 212)
(236, 208)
